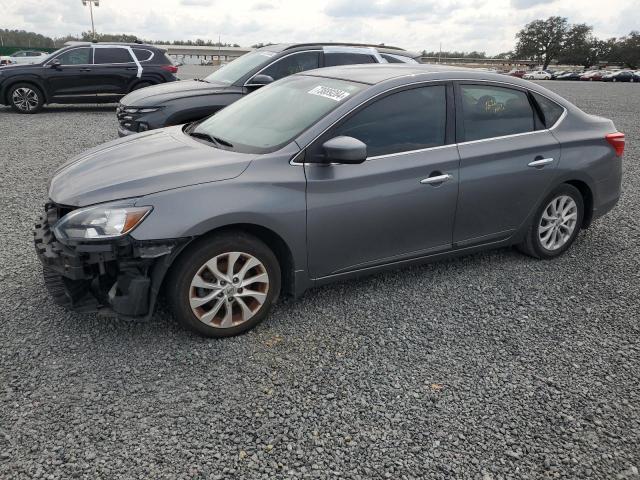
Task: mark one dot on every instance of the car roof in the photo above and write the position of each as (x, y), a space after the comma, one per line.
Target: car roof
(280, 47)
(117, 44)
(377, 73)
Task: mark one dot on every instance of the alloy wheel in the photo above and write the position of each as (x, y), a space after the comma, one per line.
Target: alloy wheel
(558, 222)
(228, 289)
(25, 99)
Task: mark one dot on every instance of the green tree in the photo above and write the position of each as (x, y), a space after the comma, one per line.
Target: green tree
(580, 46)
(542, 40)
(627, 50)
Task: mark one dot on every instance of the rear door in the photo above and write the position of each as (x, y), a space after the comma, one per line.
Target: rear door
(391, 207)
(72, 77)
(507, 161)
(114, 70)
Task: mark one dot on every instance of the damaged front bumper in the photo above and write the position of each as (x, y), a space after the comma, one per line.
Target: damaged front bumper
(121, 276)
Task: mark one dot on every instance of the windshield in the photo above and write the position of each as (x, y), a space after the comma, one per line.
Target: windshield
(274, 115)
(238, 68)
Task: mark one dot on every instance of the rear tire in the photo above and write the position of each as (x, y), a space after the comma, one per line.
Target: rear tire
(207, 288)
(556, 224)
(25, 98)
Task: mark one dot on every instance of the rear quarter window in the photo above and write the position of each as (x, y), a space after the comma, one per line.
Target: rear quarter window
(339, 58)
(142, 54)
(550, 109)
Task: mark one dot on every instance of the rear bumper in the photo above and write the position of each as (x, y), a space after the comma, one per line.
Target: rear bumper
(121, 277)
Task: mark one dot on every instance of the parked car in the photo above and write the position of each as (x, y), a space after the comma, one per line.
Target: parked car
(557, 73)
(23, 57)
(569, 76)
(517, 73)
(84, 73)
(595, 75)
(186, 101)
(537, 75)
(322, 176)
(622, 76)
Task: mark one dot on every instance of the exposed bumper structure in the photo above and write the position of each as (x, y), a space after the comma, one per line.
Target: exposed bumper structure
(121, 277)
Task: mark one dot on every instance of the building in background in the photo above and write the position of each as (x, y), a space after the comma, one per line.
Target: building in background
(203, 54)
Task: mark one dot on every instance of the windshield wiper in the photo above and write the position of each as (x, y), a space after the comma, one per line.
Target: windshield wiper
(211, 139)
(204, 136)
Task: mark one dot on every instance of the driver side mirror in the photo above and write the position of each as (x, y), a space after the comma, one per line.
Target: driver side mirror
(260, 81)
(347, 150)
(55, 63)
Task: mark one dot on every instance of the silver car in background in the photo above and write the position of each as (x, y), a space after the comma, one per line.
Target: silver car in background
(321, 176)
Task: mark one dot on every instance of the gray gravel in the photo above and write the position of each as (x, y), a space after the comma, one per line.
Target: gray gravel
(490, 366)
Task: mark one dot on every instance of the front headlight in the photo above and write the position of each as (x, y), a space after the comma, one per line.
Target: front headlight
(102, 222)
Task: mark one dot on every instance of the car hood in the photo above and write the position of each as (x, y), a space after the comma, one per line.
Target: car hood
(156, 95)
(140, 165)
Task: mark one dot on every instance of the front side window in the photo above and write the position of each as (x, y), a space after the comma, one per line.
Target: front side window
(274, 115)
(345, 58)
(550, 110)
(77, 56)
(112, 55)
(298, 62)
(489, 111)
(20, 54)
(404, 121)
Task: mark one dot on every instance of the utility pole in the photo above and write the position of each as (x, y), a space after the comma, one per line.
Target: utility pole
(91, 3)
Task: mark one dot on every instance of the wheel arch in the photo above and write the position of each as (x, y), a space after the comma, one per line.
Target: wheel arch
(587, 198)
(31, 81)
(273, 240)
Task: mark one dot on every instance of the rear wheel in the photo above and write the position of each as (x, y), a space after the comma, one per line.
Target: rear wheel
(26, 98)
(556, 224)
(223, 286)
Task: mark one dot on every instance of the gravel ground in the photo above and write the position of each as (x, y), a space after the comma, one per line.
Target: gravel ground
(491, 366)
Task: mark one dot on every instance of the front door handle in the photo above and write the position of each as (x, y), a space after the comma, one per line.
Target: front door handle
(85, 69)
(540, 162)
(436, 179)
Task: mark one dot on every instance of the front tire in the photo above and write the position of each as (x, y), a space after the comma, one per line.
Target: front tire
(26, 98)
(224, 285)
(556, 224)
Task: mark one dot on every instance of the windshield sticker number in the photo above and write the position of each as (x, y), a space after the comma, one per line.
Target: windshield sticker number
(330, 93)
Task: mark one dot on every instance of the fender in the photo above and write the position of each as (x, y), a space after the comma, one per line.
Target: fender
(26, 78)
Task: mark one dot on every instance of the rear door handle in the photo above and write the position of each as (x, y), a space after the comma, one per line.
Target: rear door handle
(540, 162)
(85, 69)
(436, 179)
(132, 68)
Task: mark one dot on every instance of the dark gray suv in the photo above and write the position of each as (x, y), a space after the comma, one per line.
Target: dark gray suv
(318, 177)
(190, 100)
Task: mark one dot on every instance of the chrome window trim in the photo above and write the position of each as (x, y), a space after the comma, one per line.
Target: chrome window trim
(294, 162)
(247, 84)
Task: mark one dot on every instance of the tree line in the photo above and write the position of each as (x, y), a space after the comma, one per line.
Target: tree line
(541, 41)
(554, 39)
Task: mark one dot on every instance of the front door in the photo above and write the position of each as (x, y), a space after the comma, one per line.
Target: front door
(400, 203)
(507, 162)
(71, 78)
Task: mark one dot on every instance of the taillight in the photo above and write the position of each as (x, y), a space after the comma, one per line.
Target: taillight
(616, 140)
(170, 68)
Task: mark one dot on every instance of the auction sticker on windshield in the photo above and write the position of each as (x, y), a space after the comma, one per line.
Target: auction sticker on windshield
(328, 92)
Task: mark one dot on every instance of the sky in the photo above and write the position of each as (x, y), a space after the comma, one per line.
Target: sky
(462, 25)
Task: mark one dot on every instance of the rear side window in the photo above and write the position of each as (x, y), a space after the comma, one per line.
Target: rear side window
(550, 110)
(298, 62)
(391, 59)
(489, 111)
(77, 56)
(339, 58)
(142, 54)
(404, 121)
(112, 55)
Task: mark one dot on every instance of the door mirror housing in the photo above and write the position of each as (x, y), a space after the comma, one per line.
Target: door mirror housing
(347, 150)
(55, 63)
(260, 81)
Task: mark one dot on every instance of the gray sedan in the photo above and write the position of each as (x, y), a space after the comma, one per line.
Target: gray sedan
(318, 177)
